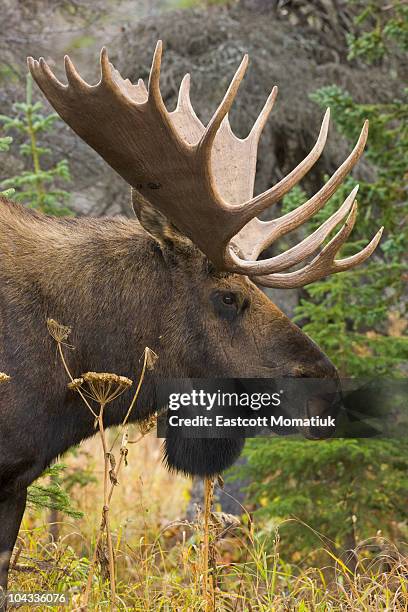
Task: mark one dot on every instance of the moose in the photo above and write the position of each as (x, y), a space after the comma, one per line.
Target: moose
(181, 278)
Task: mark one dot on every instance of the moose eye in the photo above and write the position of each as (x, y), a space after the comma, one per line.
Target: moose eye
(226, 304)
(228, 299)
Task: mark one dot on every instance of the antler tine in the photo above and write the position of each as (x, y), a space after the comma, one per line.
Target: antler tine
(323, 264)
(73, 77)
(212, 128)
(322, 196)
(251, 209)
(262, 118)
(45, 78)
(341, 265)
(300, 251)
(142, 85)
(106, 66)
(295, 218)
(319, 267)
(154, 76)
(184, 93)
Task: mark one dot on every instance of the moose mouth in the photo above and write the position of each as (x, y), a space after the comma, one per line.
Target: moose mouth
(317, 401)
(325, 407)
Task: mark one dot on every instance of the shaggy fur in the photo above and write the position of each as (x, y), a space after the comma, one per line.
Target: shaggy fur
(120, 291)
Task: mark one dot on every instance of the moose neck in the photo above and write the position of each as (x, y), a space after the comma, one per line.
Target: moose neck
(84, 271)
(103, 278)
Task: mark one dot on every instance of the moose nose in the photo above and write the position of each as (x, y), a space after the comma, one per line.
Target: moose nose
(320, 367)
(325, 369)
(321, 392)
(305, 359)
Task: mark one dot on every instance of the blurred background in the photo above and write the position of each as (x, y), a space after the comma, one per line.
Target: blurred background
(325, 499)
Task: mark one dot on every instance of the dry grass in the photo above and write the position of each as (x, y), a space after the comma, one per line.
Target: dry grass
(159, 554)
(149, 557)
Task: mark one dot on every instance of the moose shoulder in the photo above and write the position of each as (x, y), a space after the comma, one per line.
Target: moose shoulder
(176, 280)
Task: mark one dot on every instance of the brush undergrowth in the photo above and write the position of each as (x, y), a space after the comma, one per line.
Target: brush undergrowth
(157, 554)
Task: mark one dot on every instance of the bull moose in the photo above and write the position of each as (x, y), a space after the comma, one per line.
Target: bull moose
(176, 279)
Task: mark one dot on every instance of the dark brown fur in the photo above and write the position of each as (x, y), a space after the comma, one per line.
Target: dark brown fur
(121, 291)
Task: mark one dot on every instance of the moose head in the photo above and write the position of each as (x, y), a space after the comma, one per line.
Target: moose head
(182, 279)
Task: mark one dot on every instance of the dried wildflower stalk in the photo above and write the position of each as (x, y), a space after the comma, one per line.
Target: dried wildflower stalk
(59, 332)
(208, 548)
(213, 527)
(145, 427)
(103, 388)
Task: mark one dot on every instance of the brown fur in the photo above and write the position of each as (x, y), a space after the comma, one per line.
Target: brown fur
(121, 290)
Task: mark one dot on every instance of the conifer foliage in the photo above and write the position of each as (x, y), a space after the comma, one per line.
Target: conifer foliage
(348, 489)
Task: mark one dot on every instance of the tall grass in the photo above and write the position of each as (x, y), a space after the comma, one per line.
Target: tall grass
(135, 550)
(158, 554)
(145, 555)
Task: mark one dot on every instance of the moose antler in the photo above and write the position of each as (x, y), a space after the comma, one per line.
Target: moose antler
(202, 178)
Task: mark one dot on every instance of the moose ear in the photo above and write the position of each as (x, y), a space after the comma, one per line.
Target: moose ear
(156, 224)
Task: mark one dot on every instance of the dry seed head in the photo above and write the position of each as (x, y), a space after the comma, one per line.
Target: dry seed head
(224, 523)
(102, 387)
(147, 424)
(4, 377)
(59, 332)
(76, 383)
(104, 377)
(151, 358)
